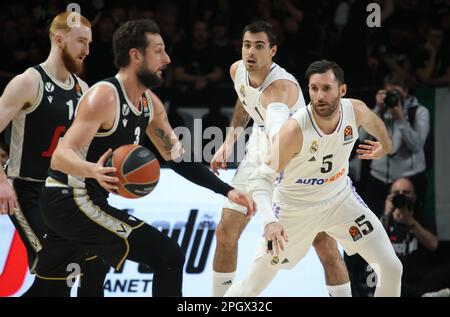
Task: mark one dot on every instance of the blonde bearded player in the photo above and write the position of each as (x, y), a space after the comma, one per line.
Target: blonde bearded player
(315, 194)
(39, 105)
(267, 94)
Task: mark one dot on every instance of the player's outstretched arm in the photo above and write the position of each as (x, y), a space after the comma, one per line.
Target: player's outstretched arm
(286, 145)
(239, 121)
(164, 138)
(371, 150)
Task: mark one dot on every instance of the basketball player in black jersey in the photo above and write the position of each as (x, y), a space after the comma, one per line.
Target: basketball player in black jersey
(40, 104)
(114, 112)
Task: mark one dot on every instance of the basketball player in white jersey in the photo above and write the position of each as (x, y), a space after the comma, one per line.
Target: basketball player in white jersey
(266, 93)
(315, 194)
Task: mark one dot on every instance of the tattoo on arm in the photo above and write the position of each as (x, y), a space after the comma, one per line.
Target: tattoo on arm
(240, 116)
(165, 138)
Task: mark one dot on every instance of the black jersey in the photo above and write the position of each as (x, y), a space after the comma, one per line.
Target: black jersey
(129, 127)
(36, 130)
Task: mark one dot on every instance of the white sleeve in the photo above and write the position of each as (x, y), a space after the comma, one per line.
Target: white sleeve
(277, 114)
(261, 183)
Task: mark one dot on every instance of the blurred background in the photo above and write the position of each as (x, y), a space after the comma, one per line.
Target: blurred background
(409, 52)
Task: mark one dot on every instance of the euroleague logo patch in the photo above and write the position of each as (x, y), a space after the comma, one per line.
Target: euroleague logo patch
(144, 102)
(355, 233)
(348, 133)
(78, 89)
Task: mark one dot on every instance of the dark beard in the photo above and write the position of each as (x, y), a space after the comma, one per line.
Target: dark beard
(329, 112)
(148, 79)
(70, 63)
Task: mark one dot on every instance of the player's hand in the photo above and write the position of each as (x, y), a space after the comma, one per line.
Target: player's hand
(219, 161)
(8, 198)
(276, 238)
(243, 199)
(370, 150)
(105, 175)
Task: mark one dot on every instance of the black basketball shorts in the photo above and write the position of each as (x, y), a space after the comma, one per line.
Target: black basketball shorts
(77, 224)
(27, 219)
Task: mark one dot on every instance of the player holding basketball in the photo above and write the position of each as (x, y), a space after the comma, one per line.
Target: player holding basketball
(268, 94)
(112, 113)
(315, 193)
(40, 104)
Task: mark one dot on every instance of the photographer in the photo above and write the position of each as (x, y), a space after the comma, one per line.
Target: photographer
(408, 124)
(413, 237)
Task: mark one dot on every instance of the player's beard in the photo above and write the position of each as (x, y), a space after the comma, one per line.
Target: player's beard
(148, 79)
(325, 109)
(73, 65)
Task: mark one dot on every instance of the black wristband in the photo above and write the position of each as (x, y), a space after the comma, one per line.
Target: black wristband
(199, 174)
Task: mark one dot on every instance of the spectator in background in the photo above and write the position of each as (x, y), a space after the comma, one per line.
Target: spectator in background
(432, 63)
(408, 124)
(11, 51)
(394, 52)
(221, 43)
(100, 64)
(413, 236)
(226, 55)
(197, 68)
(119, 13)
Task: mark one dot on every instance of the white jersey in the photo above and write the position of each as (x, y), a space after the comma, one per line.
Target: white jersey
(320, 171)
(251, 97)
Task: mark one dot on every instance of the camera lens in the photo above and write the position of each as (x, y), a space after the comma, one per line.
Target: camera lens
(401, 201)
(392, 98)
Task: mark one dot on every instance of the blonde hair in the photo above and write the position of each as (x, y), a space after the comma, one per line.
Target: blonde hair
(60, 22)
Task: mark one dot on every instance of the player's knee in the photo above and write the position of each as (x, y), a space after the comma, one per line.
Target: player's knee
(321, 239)
(226, 237)
(329, 255)
(332, 261)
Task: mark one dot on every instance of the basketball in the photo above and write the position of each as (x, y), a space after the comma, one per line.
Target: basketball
(137, 169)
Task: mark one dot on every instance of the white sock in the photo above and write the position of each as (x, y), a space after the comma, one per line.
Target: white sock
(222, 282)
(343, 290)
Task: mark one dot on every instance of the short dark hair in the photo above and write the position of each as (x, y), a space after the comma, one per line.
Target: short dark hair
(130, 35)
(395, 80)
(321, 67)
(262, 26)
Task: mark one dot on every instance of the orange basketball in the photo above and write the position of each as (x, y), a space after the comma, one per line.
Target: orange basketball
(137, 169)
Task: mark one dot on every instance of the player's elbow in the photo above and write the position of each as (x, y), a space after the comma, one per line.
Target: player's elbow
(56, 160)
(388, 146)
